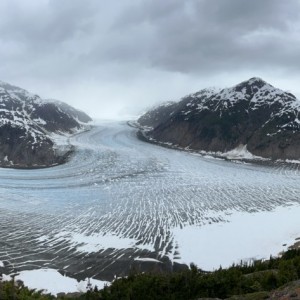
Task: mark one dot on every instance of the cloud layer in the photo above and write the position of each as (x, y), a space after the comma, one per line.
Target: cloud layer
(114, 58)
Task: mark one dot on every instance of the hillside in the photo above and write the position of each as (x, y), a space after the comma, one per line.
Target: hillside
(28, 124)
(252, 116)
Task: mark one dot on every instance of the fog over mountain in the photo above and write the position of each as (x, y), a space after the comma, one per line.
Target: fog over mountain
(116, 59)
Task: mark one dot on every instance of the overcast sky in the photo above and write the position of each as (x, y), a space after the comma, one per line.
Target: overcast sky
(116, 58)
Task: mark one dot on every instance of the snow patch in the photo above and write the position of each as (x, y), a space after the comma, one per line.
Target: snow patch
(292, 161)
(244, 236)
(147, 259)
(96, 242)
(52, 282)
(240, 152)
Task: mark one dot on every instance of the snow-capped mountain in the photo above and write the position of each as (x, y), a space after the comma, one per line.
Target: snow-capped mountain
(253, 115)
(26, 125)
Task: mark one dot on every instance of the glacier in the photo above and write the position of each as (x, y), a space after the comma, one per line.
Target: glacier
(120, 201)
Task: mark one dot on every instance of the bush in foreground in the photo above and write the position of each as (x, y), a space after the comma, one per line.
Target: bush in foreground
(255, 280)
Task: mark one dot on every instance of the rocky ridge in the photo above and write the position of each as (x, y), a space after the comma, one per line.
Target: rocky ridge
(28, 125)
(252, 117)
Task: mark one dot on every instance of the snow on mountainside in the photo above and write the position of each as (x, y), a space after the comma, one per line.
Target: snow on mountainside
(26, 125)
(157, 114)
(253, 114)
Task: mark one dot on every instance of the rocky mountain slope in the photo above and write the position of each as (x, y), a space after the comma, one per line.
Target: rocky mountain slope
(252, 116)
(157, 115)
(28, 125)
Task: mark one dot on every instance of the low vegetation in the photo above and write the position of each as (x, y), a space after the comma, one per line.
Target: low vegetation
(254, 280)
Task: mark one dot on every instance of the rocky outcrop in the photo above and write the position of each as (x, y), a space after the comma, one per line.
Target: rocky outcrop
(253, 114)
(27, 125)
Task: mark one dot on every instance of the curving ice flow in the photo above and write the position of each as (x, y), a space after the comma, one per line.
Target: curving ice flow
(120, 200)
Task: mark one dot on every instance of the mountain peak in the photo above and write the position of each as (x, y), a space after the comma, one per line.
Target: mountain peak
(252, 113)
(27, 127)
(256, 80)
(253, 82)
(251, 86)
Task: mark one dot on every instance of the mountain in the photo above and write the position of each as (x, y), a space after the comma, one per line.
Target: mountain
(252, 116)
(157, 115)
(28, 125)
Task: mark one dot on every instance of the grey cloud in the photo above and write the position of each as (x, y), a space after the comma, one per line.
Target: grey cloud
(193, 36)
(202, 36)
(122, 44)
(47, 23)
(249, 15)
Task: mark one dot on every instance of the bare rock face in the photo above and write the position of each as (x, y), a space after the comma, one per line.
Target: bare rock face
(252, 113)
(26, 125)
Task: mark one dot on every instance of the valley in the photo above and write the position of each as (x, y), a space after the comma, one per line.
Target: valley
(120, 203)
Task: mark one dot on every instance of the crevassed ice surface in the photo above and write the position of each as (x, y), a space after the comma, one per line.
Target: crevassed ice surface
(119, 199)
